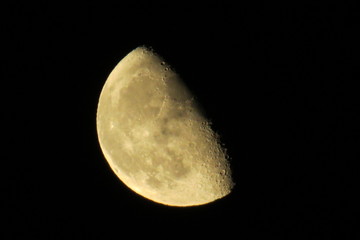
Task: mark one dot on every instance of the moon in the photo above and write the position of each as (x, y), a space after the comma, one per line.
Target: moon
(154, 136)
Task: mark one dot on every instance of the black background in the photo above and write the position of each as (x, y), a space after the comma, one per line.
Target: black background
(277, 81)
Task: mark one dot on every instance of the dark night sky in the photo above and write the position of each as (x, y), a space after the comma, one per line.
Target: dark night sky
(278, 83)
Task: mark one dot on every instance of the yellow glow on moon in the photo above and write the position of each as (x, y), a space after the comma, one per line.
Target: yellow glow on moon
(155, 138)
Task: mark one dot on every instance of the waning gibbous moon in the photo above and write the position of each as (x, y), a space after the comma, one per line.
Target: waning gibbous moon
(154, 136)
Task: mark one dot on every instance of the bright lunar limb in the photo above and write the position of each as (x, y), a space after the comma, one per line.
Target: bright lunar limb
(154, 136)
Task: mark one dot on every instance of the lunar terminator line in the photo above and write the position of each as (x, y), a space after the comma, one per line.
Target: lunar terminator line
(154, 136)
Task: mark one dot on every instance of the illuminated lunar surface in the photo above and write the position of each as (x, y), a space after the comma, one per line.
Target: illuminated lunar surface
(155, 138)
